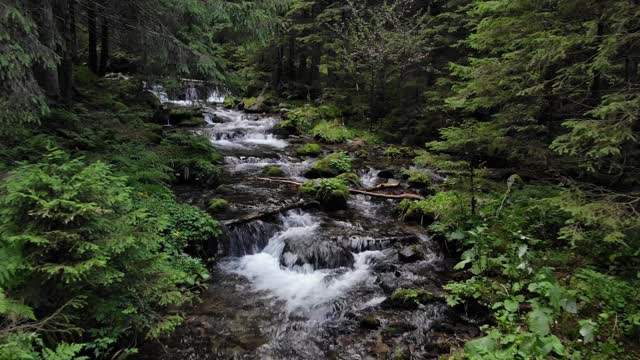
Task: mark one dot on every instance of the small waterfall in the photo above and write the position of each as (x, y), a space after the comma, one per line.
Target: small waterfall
(303, 287)
(370, 178)
(191, 94)
(215, 96)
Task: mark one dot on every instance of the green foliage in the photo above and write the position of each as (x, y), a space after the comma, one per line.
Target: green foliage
(331, 132)
(302, 119)
(72, 232)
(410, 297)
(192, 158)
(217, 205)
(21, 99)
(273, 170)
(192, 229)
(309, 150)
(444, 211)
(417, 177)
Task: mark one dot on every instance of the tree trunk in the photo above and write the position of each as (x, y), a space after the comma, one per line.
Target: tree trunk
(277, 75)
(315, 72)
(291, 66)
(104, 46)
(69, 52)
(47, 77)
(93, 37)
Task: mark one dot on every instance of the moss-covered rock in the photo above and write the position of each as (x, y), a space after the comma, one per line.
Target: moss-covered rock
(409, 299)
(217, 205)
(332, 193)
(178, 115)
(351, 178)
(273, 170)
(230, 102)
(332, 132)
(309, 150)
(330, 166)
(193, 122)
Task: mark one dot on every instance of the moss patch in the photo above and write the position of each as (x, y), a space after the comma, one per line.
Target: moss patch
(273, 170)
(330, 166)
(309, 150)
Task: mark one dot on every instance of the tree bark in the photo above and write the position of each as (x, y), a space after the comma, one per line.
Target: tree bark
(104, 45)
(69, 50)
(47, 77)
(93, 38)
(355, 191)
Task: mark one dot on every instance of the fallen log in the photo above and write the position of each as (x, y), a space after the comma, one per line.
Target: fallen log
(387, 185)
(260, 216)
(355, 191)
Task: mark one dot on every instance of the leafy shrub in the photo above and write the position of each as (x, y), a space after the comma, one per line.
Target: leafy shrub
(67, 222)
(309, 150)
(444, 211)
(331, 132)
(192, 157)
(418, 178)
(194, 230)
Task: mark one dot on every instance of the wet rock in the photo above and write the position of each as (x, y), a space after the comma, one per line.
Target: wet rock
(410, 254)
(389, 282)
(398, 328)
(387, 173)
(380, 349)
(370, 322)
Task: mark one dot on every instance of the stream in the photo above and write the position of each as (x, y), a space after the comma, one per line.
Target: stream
(308, 284)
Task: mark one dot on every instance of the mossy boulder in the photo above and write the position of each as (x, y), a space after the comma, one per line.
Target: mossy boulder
(330, 166)
(217, 205)
(309, 150)
(195, 121)
(331, 193)
(178, 115)
(256, 105)
(332, 132)
(273, 170)
(229, 102)
(351, 178)
(409, 299)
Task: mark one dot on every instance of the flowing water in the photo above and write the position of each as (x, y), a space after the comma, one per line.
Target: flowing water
(297, 285)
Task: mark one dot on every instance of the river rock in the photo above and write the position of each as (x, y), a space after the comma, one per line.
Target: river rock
(387, 173)
(370, 322)
(410, 254)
